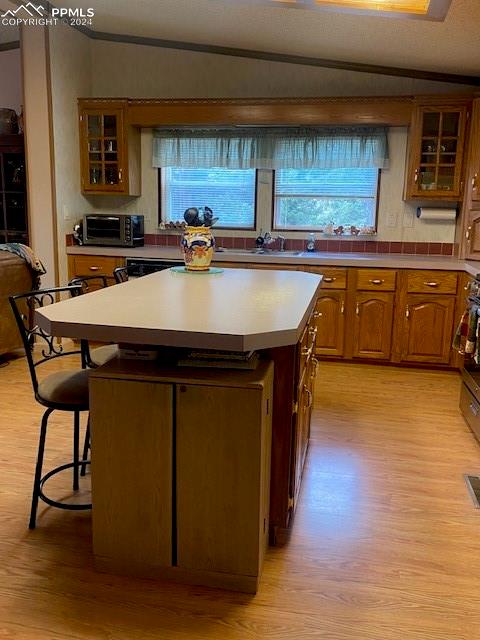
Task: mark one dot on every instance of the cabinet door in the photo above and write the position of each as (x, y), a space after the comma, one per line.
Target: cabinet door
(302, 433)
(428, 326)
(223, 438)
(103, 151)
(373, 325)
(132, 426)
(474, 158)
(473, 235)
(330, 323)
(436, 151)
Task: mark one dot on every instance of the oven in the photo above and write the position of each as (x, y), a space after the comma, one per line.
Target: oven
(470, 347)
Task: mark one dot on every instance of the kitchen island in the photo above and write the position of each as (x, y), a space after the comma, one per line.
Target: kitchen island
(181, 456)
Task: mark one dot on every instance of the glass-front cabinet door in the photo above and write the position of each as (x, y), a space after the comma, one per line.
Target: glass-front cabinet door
(103, 150)
(438, 138)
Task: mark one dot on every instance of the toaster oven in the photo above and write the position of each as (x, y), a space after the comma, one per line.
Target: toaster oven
(118, 230)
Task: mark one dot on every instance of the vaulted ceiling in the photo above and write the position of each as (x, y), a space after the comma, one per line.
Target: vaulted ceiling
(449, 46)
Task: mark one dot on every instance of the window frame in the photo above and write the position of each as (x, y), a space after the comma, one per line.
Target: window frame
(162, 220)
(316, 229)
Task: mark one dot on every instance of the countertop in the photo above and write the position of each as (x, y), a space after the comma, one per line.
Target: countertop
(236, 310)
(392, 261)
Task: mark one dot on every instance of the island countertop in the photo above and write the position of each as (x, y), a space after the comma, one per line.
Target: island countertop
(236, 310)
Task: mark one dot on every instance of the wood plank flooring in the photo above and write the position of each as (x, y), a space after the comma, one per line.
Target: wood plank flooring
(386, 542)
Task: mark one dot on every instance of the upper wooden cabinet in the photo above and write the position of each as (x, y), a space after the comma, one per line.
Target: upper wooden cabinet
(436, 145)
(109, 149)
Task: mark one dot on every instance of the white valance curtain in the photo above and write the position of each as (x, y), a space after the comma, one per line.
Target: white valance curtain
(271, 148)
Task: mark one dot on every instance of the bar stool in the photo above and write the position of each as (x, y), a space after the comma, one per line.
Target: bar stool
(100, 355)
(60, 391)
(121, 274)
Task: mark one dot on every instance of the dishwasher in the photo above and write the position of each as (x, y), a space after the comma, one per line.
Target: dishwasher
(138, 267)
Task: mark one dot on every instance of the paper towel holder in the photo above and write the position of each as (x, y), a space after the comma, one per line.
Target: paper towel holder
(453, 211)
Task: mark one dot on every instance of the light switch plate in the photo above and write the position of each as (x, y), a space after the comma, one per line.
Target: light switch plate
(392, 219)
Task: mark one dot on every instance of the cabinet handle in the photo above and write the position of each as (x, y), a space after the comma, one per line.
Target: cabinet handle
(310, 397)
(407, 312)
(474, 409)
(329, 279)
(93, 268)
(431, 284)
(376, 281)
(474, 182)
(313, 331)
(467, 233)
(315, 365)
(357, 309)
(415, 179)
(317, 314)
(342, 307)
(120, 175)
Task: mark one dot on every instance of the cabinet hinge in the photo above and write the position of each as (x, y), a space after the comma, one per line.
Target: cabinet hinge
(290, 502)
(295, 407)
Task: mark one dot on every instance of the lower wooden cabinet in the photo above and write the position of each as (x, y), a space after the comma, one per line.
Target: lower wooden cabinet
(181, 472)
(330, 323)
(428, 328)
(373, 325)
(87, 265)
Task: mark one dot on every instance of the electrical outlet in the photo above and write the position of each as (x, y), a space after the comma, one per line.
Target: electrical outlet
(392, 219)
(67, 214)
(408, 218)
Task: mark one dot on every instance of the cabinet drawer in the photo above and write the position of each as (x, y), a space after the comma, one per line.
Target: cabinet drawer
(333, 277)
(470, 409)
(432, 282)
(376, 279)
(94, 265)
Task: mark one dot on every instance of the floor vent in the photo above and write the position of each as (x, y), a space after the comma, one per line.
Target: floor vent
(473, 486)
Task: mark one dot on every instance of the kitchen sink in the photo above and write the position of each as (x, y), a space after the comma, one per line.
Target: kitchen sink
(255, 252)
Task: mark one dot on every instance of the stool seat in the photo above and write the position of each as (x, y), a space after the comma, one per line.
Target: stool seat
(65, 389)
(101, 355)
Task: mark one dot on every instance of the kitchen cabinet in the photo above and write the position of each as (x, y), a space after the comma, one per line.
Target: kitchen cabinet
(109, 149)
(436, 146)
(428, 328)
(307, 368)
(91, 265)
(474, 157)
(330, 323)
(471, 204)
(372, 329)
(181, 472)
(13, 198)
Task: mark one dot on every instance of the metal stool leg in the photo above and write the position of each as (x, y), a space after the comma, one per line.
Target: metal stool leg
(38, 469)
(76, 446)
(86, 447)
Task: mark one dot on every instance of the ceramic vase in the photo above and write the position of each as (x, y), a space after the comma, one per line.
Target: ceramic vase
(198, 245)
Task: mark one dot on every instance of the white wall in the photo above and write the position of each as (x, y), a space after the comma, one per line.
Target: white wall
(71, 72)
(120, 69)
(11, 80)
(130, 70)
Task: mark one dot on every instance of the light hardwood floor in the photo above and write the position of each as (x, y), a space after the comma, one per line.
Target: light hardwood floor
(386, 543)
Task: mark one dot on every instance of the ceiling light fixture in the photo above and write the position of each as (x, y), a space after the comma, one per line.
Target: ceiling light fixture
(419, 9)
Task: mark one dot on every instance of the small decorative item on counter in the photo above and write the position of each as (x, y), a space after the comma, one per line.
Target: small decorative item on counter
(368, 231)
(198, 243)
(339, 231)
(328, 229)
(354, 230)
(311, 242)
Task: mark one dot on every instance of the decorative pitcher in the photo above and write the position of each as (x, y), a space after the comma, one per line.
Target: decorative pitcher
(198, 245)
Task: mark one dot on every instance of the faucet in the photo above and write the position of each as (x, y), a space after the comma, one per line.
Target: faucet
(281, 242)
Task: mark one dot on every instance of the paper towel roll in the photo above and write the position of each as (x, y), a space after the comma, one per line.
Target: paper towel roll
(436, 214)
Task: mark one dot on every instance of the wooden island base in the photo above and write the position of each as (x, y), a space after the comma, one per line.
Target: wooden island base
(181, 472)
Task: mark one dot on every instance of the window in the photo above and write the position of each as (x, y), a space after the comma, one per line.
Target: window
(230, 193)
(314, 198)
